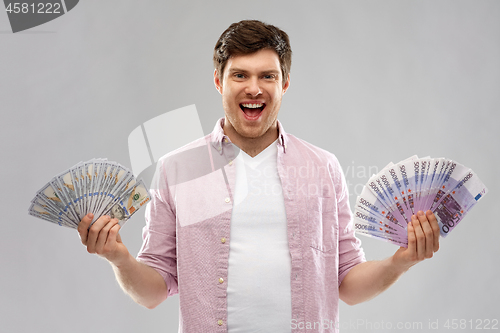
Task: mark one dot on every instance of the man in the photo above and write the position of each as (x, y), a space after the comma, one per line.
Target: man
(264, 240)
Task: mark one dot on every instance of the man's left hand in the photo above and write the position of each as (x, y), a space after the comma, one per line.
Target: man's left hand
(423, 240)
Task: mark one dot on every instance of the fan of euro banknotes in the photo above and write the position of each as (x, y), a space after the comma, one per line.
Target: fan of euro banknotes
(98, 186)
(398, 191)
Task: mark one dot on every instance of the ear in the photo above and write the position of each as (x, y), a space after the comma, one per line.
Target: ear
(287, 84)
(217, 82)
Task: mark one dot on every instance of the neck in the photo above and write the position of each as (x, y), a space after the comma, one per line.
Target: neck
(251, 146)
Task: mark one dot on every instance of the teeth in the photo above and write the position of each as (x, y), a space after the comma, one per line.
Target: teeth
(252, 106)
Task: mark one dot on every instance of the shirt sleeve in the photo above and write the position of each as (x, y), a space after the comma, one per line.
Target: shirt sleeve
(159, 235)
(350, 251)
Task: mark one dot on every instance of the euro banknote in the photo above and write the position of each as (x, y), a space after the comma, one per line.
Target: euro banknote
(390, 198)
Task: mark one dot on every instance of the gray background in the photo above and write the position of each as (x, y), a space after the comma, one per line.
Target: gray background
(372, 81)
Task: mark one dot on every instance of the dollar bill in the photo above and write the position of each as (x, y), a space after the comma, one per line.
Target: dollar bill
(130, 202)
(98, 186)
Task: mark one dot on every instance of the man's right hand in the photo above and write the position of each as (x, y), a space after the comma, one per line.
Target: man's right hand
(144, 284)
(102, 238)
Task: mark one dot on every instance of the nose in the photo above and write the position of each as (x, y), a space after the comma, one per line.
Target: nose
(253, 87)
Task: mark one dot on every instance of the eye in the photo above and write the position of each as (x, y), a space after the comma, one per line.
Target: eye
(239, 76)
(270, 77)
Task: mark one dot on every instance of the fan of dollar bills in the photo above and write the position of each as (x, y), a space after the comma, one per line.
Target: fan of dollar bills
(98, 186)
(390, 198)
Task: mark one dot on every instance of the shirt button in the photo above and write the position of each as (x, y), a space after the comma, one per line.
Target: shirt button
(221, 280)
(228, 200)
(225, 140)
(223, 240)
(231, 162)
(220, 322)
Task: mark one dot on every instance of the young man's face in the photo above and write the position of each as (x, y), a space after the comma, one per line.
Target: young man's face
(251, 89)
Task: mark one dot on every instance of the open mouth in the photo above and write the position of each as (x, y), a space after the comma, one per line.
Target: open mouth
(252, 110)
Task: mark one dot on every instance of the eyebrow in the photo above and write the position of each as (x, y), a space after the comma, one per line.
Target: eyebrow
(270, 71)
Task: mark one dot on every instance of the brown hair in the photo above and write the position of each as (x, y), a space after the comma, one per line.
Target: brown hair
(250, 36)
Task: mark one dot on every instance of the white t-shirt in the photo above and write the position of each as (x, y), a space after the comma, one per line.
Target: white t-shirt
(258, 291)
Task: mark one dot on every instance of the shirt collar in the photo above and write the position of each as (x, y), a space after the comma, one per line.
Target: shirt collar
(218, 138)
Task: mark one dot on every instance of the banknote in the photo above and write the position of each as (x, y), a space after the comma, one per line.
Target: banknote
(129, 202)
(368, 203)
(452, 208)
(390, 198)
(96, 186)
(370, 223)
(384, 238)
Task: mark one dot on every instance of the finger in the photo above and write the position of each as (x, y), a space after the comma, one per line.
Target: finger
(118, 237)
(428, 233)
(435, 229)
(103, 236)
(113, 236)
(83, 227)
(420, 237)
(94, 231)
(412, 240)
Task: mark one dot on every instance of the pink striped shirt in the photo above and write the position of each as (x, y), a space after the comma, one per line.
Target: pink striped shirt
(187, 232)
